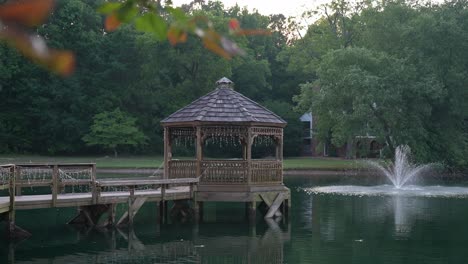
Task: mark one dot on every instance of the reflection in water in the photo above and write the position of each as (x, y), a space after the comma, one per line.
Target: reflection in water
(402, 211)
(125, 246)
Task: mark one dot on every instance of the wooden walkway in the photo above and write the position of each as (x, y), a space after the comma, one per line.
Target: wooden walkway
(75, 185)
(38, 201)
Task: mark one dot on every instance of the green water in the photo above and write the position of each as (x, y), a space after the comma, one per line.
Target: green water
(322, 229)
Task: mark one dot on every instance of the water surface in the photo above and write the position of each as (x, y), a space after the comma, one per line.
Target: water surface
(323, 228)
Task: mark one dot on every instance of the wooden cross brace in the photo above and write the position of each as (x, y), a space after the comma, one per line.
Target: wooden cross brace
(134, 206)
(273, 206)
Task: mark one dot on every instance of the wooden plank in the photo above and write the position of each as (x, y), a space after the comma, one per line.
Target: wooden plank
(276, 204)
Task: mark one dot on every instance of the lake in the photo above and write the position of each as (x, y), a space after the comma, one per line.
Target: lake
(322, 228)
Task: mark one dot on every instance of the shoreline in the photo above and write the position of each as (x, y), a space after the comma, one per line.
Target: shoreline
(286, 172)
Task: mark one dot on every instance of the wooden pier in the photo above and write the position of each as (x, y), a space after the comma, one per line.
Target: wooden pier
(76, 185)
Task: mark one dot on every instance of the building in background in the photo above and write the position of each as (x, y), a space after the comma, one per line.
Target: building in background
(366, 146)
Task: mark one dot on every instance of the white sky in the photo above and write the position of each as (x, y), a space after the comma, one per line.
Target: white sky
(265, 7)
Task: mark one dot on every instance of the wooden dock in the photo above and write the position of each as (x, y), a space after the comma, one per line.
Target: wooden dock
(75, 185)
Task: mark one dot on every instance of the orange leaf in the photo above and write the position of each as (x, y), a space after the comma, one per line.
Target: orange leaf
(61, 62)
(175, 35)
(234, 24)
(214, 47)
(112, 22)
(26, 12)
(35, 48)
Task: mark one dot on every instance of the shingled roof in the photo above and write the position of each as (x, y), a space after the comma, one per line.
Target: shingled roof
(224, 105)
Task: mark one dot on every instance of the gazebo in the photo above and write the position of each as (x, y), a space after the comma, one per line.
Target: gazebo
(226, 116)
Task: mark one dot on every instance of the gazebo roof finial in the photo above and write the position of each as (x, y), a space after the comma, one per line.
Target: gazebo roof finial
(224, 83)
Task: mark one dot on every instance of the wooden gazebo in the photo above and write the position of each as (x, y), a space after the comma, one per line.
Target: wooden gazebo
(226, 115)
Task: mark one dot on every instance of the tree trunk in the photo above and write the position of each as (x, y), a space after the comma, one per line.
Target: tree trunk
(115, 153)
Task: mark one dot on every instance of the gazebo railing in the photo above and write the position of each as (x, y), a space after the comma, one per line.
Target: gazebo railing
(224, 172)
(228, 171)
(267, 171)
(182, 169)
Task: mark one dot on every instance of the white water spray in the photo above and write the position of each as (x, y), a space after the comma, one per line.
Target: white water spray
(401, 170)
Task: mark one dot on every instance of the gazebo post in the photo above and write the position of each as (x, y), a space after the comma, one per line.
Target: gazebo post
(249, 155)
(199, 155)
(167, 152)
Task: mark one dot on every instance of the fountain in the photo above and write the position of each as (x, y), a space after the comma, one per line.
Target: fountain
(400, 173)
(401, 170)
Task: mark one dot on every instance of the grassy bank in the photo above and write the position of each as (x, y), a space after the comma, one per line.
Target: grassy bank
(301, 163)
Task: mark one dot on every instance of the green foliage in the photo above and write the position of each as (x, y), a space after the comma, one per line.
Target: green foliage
(401, 76)
(292, 140)
(114, 129)
(130, 70)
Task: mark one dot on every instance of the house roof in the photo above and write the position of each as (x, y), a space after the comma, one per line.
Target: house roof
(224, 105)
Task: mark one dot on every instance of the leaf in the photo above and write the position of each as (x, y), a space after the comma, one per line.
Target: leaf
(234, 24)
(177, 13)
(127, 12)
(35, 48)
(176, 35)
(112, 22)
(61, 62)
(26, 12)
(210, 41)
(109, 7)
(152, 23)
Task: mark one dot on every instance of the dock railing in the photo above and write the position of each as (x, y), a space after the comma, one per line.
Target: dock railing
(7, 182)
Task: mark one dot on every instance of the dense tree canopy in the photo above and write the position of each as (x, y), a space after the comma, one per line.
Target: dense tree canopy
(397, 70)
(130, 70)
(393, 69)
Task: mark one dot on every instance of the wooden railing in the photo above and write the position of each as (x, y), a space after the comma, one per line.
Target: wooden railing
(267, 171)
(182, 169)
(229, 171)
(6, 173)
(224, 172)
(61, 178)
(131, 185)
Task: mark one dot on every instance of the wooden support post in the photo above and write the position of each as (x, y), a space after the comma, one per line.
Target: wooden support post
(11, 253)
(12, 192)
(161, 212)
(165, 211)
(93, 185)
(131, 200)
(17, 176)
(14, 232)
(199, 149)
(167, 152)
(55, 183)
(197, 211)
(111, 216)
(250, 140)
(252, 211)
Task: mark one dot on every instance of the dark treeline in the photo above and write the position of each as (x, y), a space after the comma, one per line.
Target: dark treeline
(130, 71)
(397, 70)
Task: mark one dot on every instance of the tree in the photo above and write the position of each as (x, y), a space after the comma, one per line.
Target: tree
(361, 92)
(114, 129)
